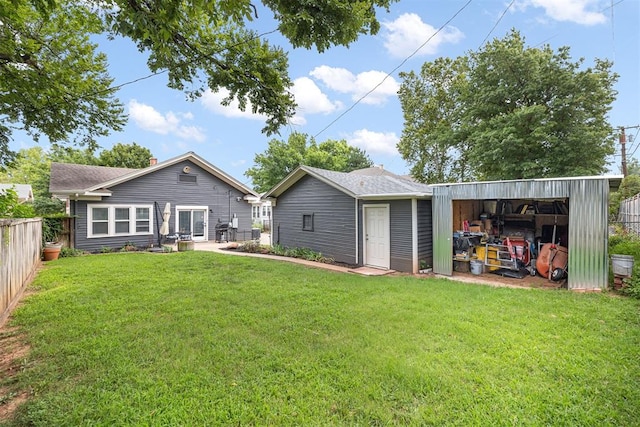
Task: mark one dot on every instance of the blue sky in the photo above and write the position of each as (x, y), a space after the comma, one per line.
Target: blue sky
(328, 85)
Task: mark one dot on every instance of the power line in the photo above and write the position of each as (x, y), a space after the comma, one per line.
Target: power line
(344, 113)
(504, 12)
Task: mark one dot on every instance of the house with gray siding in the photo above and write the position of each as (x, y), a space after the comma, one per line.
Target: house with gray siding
(117, 206)
(369, 217)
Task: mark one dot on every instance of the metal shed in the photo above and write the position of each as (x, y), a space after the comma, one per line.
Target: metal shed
(588, 263)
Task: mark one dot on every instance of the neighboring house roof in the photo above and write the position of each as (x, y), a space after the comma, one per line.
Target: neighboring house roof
(68, 179)
(25, 192)
(364, 184)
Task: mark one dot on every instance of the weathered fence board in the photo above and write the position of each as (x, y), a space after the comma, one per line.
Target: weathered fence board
(629, 214)
(20, 248)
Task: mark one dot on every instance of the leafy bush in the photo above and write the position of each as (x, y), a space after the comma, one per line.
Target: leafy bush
(46, 206)
(302, 253)
(254, 246)
(71, 252)
(628, 244)
(251, 246)
(51, 228)
(10, 207)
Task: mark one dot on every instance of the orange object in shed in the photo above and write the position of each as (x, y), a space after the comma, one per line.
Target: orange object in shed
(553, 256)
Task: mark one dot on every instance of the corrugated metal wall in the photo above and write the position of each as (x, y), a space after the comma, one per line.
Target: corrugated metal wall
(588, 234)
(588, 216)
(442, 231)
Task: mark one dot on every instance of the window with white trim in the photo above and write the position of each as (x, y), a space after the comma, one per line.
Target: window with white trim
(118, 220)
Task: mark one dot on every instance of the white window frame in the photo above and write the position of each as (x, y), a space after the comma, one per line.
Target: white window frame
(111, 220)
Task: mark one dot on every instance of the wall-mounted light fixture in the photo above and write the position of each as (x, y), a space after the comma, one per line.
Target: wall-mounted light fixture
(238, 198)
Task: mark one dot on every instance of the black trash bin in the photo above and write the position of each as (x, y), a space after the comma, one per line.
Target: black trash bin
(255, 234)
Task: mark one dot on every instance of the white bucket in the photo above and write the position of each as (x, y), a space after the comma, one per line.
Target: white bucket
(622, 265)
(477, 267)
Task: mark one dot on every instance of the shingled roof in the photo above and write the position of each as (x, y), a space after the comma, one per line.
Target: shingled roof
(95, 181)
(24, 191)
(363, 183)
(67, 177)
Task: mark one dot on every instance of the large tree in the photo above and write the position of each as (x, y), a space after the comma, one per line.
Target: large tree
(32, 166)
(508, 112)
(282, 157)
(125, 156)
(53, 82)
(430, 140)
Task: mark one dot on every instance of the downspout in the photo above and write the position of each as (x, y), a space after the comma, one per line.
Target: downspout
(414, 235)
(357, 233)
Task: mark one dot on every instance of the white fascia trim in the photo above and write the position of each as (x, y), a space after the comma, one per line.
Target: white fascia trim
(414, 236)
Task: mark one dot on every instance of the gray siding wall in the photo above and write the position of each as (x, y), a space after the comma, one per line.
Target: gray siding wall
(425, 233)
(334, 228)
(401, 233)
(162, 186)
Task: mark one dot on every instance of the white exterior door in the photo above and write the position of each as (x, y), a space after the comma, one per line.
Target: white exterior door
(192, 220)
(376, 236)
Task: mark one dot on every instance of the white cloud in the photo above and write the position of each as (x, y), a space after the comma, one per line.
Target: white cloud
(344, 81)
(310, 100)
(569, 10)
(407, 33)
(150, 119)
(212, 101)
(374, 142)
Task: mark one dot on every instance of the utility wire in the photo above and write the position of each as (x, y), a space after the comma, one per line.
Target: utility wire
(504, 12)
(344, 113)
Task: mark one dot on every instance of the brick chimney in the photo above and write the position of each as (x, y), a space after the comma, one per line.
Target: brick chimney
(153, 161)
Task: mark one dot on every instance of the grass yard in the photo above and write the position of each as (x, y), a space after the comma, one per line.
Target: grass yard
(199, 338)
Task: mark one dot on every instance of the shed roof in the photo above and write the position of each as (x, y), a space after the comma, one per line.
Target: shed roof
(369, 183)
(69, 179)
(519, 187)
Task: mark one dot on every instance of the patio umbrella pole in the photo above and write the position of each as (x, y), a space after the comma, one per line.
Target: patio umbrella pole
(158, 224)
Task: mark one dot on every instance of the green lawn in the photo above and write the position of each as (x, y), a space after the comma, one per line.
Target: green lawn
(198, 338)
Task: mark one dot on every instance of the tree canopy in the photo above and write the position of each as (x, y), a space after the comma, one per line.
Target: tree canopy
(53, 82)
(281, 158)
(507, 112)
(121, 155)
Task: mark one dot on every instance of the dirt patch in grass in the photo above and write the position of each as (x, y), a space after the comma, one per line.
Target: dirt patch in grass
(13, 352)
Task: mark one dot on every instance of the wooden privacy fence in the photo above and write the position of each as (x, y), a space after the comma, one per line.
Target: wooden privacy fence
(629, 214)
(20, 247)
